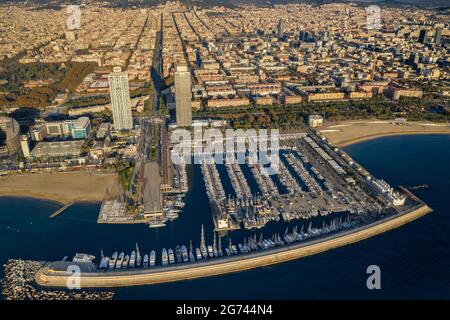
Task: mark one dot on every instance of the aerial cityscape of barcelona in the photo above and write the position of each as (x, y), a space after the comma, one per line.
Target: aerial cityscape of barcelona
(206, 150)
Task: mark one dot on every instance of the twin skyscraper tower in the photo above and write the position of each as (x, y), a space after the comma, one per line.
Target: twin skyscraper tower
(121, 102)
(120, 99)
(183, 96)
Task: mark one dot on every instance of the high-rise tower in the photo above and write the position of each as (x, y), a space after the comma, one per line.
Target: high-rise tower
(437, 35)
(120, 99)
(183, 96)
(280, 29)
(423, 36)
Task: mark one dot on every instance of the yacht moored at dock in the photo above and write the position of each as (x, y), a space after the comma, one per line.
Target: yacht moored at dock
(126, 261)
(112, 261)
(145, 262)
(164, 257)
(119, 261)
(132, 262)
(152, 258)
(171, 256)
(184, 253)
(138, 256)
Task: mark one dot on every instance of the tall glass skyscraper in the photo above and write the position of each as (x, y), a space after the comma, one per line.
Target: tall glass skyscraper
(120, 99)
(183, 96)
(437, 36)
(423, 36)
(280, 28)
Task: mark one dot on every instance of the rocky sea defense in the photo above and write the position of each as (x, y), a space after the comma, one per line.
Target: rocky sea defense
(19, 284)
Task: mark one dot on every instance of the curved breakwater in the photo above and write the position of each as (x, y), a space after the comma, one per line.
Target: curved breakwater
(51, 278)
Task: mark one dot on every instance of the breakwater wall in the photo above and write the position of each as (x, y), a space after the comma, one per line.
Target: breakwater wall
(48, 277)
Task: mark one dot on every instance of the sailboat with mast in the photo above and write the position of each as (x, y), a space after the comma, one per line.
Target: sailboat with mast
(202, 244)
(138, 256)
(215, 252)
(220, 247)
(104, 263)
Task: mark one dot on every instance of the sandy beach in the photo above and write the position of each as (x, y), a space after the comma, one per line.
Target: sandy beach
(349, 132)
(61, 187)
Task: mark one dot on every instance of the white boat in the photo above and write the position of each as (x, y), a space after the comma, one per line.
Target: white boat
(104, 263)
(171, 256)
(156, 224)
(178, 254)
(145, 263)
(198, 253)
(138, 256)
(132, 262)
(172, 215)
(164, 257)
(83, 257)
(152, 258)
(125, 262)
(204, 252)
(184, 253)
(191, 257)
(112, 261)
(120, 260)
(210, 251)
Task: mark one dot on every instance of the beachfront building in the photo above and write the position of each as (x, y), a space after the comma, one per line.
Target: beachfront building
(57, 149)
(120, 99)
(80, 128)
(315, 121)
(76, 129)
(12, 130)
(38, 132)
(25, 146)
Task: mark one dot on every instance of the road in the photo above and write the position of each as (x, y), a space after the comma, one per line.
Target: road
(147, 172)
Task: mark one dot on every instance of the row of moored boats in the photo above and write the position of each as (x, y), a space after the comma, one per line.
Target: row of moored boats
(250, 244)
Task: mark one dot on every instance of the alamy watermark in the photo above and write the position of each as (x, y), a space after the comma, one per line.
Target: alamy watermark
(73, 21)
(373, 18)
(210, 146)
(374, 280)
(74, 278)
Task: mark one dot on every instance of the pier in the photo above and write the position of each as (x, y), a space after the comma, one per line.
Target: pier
(61, 210)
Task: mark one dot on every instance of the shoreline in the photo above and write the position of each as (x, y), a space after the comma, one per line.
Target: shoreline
(352, 141)
(49, 198)
(47, 277)
(46, 197)
(61, 187)
(345, 133)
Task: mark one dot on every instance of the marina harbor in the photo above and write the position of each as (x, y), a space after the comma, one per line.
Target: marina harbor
(327, 198)
(313, 179)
